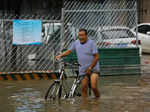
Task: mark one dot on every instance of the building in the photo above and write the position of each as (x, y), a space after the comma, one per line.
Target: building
(144, 11)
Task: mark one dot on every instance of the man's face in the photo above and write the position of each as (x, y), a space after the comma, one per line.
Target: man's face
(82, 37)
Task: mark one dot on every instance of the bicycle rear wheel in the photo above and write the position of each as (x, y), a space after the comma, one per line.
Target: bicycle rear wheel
(75, 90)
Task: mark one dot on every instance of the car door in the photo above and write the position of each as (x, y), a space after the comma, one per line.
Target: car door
(144, 36)
(120, 37)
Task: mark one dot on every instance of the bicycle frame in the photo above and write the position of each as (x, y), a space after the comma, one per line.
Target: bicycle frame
(58, 87)
(72, 91)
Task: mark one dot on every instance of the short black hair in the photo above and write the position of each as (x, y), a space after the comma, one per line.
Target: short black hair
(82, 29)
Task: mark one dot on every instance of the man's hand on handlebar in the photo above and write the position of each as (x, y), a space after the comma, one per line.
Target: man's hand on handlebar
(58, 57)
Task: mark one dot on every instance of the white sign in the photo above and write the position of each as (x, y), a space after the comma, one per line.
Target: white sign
(27, 32)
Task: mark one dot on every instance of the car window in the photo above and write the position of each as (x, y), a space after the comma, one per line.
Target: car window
(117, 33)
(53, 28)
(51, 31)
(144, 29)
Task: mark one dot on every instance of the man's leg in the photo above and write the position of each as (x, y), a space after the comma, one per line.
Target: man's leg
(94, 84)
(84, 86)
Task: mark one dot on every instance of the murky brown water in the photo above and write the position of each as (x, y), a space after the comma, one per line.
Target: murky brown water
(118, 94)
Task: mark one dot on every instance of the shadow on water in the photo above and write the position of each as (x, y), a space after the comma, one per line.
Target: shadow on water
(118, 94)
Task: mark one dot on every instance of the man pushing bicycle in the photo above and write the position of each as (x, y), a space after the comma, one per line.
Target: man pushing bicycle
(88, 59)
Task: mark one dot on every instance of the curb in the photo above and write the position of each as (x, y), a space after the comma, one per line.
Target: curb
(28, 76)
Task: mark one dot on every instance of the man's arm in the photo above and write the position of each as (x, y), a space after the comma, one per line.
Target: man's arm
(63, 54)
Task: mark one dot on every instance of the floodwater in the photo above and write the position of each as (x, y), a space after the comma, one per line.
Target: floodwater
(118, 94)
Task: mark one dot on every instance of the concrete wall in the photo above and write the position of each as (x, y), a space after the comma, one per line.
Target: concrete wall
(144, 11)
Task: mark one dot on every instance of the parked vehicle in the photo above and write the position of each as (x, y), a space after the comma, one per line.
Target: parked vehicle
(116, 37)
(143, 32)
(113, 37)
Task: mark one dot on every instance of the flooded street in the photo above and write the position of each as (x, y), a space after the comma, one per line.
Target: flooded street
(118, 94)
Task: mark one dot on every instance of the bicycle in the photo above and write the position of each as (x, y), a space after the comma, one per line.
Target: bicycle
(58, 88)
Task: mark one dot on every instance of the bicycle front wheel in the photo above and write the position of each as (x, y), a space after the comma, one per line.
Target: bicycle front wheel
(53, 91)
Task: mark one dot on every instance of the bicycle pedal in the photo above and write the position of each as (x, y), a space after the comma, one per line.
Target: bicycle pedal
(78, 94)
(78, 82)
(65, 96)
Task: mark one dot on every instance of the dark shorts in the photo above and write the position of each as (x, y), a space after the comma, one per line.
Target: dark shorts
(82, 76)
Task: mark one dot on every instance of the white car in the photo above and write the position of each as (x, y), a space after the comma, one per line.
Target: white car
(116, 37)
(112, 37)
(144, 36)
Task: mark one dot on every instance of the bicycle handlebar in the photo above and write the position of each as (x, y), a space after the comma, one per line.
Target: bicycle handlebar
(61, 61)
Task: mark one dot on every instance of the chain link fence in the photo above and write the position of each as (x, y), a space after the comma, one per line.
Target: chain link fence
(108, 22)
(21, 58)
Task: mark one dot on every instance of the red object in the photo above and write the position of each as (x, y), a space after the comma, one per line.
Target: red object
(134, 42)
(107, 43)
(146, 62)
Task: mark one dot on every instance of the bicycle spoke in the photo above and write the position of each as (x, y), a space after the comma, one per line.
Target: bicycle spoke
(52, 91)
(53, 94)
(48, 91)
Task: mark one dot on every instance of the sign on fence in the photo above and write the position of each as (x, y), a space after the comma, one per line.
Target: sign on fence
(27, 32)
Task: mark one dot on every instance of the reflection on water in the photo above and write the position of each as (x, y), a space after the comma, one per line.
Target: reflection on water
(74, 105)
(118, 94)
(27, 100)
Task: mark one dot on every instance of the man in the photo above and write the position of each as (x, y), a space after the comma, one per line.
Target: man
(88, 60)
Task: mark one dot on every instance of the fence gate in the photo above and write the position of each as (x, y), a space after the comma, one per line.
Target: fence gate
(109, 23)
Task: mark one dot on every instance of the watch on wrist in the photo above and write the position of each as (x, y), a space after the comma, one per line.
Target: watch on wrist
(90, 68)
